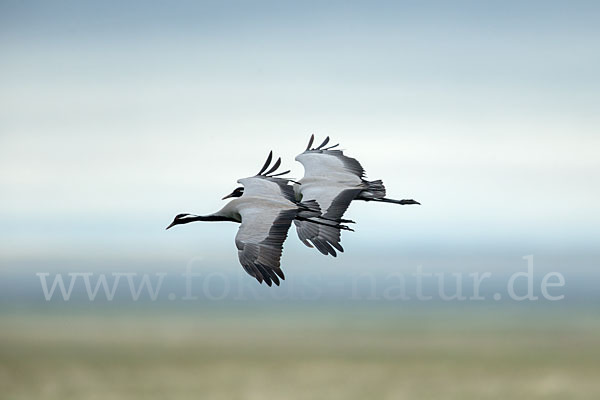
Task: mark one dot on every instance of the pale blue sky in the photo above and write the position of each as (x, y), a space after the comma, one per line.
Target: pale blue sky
(114, 117)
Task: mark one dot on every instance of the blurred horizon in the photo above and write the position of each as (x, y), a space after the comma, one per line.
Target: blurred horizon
(116, 116)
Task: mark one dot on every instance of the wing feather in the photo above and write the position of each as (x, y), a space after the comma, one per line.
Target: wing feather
(330, 163)
(268, 187)
(326, 238)
(274, 167)
(260, 241)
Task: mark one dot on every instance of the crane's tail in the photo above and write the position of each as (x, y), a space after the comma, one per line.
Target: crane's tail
(403, 202)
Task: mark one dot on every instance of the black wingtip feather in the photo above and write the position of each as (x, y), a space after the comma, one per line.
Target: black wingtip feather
(269, 158)
(275, 166)
(323, 144)
(280, 173)
(279, 272)
(310, 142)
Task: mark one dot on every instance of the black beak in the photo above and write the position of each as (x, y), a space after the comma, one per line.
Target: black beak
(171, 225)
(229, 195)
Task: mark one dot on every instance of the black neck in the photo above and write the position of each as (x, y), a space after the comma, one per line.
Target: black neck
(187, 218)
(209, 218)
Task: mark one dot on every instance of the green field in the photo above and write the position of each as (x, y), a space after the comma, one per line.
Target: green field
(317, 351)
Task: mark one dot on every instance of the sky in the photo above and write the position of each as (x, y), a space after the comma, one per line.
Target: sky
(115, 117)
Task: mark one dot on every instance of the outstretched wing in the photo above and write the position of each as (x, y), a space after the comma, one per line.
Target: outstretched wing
(260, 239)
(330, 178)
(333, 180)
(325, 162)
(330, 163)
(333, 201)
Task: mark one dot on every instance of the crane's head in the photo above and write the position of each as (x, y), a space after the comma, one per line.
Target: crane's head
(183, 219)
(237, 192)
